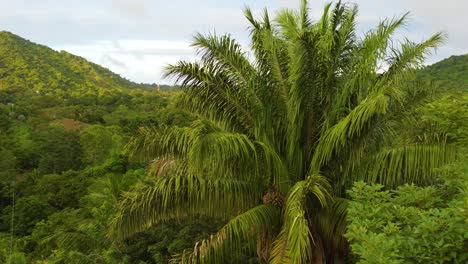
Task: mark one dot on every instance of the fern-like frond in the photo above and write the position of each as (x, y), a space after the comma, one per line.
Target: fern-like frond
(412, 55)
(177, 197)
(212, 92)
(351, 126)
(225, 52)
(235, 236)
(415, 163)
(368, 54)
(154, 142)
(331, 224)
(295, 242)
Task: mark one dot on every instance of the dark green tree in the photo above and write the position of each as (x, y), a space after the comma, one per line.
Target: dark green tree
(26, 213)
(60, 150)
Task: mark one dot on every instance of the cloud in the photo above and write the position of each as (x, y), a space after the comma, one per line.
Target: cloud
(447, 15)
(136, 38)
(137, 59)
(107, 59)
(132, 8)
(133, 47)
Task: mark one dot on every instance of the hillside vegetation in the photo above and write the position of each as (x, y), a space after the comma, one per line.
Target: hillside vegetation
(64, 124)
(450, 73)
(42, 69)
(448, 111)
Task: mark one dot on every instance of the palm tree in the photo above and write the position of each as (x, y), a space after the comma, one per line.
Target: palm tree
(282, 135)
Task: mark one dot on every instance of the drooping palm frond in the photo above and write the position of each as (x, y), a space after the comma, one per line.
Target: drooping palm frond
(155, 142)
(208, 149)
(394, 166)
(296, 240)
(235, 236)
(347, 129)
(211, 93)
(331, 225)
(176, 197)
(75, 240)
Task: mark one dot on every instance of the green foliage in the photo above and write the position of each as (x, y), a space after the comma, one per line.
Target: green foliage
(159, 244)
(26, 213)
(17, 258)
(64, 231)
(251, 158)
(25, 146)
(61, 190)
(7, 165)
(411, 224)
(448, 115)
(61, 150)
(109, 140)
(449, 74)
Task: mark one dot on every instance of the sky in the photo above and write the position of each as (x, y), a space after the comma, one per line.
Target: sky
(137, 38)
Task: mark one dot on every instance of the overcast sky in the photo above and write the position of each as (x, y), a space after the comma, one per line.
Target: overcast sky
(136, 38)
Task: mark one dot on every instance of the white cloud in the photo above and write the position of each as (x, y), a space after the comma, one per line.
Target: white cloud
(447, 15)
(137, 37)
(132, 8)
(136, 59)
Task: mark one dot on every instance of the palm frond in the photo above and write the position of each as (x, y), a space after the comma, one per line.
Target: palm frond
(331, 225)
(224, 52)
(336, 138)
(212, 93)
(177, 197)
(153, 142)
(235, 235)
(411, 55)
(415, 163)
(295, 242)
(369, 53)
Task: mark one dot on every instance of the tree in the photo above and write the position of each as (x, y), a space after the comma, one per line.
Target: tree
(61, 150)
(281, 136)
(99, 142)
(26, 213)
(61, 190)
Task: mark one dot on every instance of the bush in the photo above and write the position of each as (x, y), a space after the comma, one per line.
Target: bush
(411, 224)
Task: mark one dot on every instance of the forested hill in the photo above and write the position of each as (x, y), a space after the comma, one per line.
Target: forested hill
(39, 68)
(450, 73)
(64, 124)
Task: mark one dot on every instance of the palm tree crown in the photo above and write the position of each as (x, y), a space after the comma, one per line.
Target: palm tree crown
(281, 135)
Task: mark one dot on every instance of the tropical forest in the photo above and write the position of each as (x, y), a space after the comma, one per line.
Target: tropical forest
(315, 143)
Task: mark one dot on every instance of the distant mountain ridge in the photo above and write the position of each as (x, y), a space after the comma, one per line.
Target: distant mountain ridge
(27, 65)
(450, 73)
(37, 67)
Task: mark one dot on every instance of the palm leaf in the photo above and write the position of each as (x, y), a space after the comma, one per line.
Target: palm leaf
(234, 236)
(177, 197)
